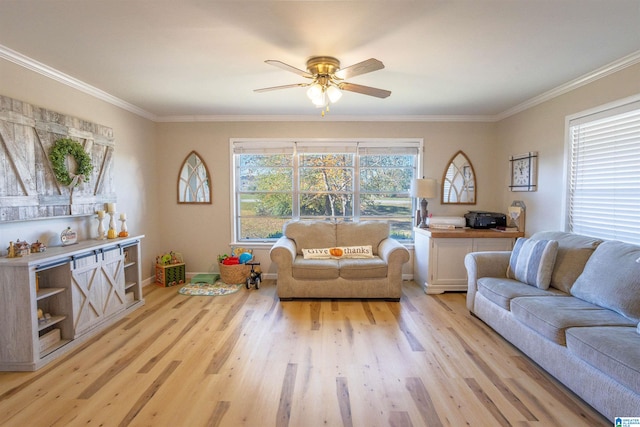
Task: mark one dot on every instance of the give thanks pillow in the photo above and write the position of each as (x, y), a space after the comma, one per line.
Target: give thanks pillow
(338, 252)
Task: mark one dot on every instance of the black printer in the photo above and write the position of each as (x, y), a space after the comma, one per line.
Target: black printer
(483, 219)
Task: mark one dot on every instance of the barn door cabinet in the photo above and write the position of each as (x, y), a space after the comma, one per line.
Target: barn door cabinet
(438, 264)
(78, 290)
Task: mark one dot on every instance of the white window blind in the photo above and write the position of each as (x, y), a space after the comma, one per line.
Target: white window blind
(604, 174)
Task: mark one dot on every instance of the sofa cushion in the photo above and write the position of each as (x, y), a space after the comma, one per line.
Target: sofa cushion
(362, 233)
(573, 252)
(550, 316)
(613, 350)
(532, 261)
(611, 279)
(355, 269)
(315, 269)
(501, 291)
(311, 234)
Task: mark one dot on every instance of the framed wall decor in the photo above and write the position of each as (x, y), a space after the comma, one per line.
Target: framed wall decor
(42, 155)
(193, 181)
(459, 181)
(524, 172)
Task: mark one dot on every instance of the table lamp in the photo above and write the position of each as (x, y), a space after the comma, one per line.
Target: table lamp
(425, 188)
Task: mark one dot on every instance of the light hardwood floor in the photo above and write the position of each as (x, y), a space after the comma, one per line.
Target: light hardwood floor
(248, 359)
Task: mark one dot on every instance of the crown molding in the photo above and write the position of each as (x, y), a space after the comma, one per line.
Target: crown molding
(318, 118)
(608, 69)
(43, 69)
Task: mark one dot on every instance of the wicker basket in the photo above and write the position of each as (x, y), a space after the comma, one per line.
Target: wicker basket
(234, 274)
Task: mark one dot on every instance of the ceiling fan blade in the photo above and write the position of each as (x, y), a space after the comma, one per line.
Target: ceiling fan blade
(288, 67)
(365, 90)
(267, 89)
(363, 67)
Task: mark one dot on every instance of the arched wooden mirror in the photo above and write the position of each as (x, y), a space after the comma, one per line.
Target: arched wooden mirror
(459, 181)
(193, 181)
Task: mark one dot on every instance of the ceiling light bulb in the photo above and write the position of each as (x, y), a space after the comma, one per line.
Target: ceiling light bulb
(314, 91)
(334, 94)
(321, 100)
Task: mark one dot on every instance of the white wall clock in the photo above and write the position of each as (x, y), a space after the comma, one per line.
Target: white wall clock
(524, 172)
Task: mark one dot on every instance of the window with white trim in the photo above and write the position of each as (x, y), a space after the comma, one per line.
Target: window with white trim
(275, 181)
(603, 197)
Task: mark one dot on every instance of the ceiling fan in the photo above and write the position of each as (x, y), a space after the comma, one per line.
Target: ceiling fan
(327, 79)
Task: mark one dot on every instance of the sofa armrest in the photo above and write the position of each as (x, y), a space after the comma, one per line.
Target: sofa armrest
(391, 251)
(484, 264)
(283, 252)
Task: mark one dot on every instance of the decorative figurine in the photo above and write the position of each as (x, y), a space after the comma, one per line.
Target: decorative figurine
(68, 237)
(112, 234)
(12, 250)
(22, 248)
(101, 235)
(37, 247)
(123, 228)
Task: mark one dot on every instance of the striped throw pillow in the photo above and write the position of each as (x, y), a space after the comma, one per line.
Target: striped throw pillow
(532, 262)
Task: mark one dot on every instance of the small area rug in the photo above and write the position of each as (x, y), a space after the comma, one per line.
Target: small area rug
(207, 289)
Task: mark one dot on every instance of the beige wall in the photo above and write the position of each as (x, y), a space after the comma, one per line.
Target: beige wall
(205, 231)
(542, 129)
(134, 165)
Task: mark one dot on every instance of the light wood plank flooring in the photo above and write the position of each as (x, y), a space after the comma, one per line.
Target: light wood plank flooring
(248, 359)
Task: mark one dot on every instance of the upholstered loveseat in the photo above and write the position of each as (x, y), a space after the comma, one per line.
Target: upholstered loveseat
(584, 327)
(377, 276)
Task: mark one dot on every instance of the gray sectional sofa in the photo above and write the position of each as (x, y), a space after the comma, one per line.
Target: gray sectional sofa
(584, 327)
(379, 276)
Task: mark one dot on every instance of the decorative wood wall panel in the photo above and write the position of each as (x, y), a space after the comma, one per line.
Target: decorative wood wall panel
(28, 187)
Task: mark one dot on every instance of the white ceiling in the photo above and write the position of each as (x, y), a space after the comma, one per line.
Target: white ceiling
(181, 58)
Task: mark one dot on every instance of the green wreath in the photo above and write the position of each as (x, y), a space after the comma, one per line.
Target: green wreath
(67, 147)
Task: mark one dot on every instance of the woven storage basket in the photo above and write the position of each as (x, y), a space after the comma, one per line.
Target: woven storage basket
(234, 274)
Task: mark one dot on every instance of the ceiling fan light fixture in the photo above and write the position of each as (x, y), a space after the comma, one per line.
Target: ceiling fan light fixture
(327, 79)
(334, 93)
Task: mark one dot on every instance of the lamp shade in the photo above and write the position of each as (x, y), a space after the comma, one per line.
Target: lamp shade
(425, 188)
(334, 94)
(314, 91)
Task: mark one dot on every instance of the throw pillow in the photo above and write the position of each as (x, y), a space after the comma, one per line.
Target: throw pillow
(365, 251)
(532, 262)
(320, 253)
(338, 252)
(611, 279)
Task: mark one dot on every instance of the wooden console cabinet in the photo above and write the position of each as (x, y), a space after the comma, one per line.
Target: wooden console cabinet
(438, 263)
(79, 289)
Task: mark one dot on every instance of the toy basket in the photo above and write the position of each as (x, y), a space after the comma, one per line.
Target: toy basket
(234, 274)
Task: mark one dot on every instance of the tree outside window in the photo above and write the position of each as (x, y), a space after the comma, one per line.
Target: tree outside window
(358, 184)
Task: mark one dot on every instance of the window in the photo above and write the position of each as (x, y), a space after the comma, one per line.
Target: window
(275, 181)
(603, 174)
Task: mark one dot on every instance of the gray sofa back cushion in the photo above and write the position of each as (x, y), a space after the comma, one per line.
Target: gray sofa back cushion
(611, 279)
(573, 253)
(311, 234)
(362, 233)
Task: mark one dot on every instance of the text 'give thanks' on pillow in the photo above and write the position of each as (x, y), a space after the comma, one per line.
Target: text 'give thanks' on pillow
(338, 252)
